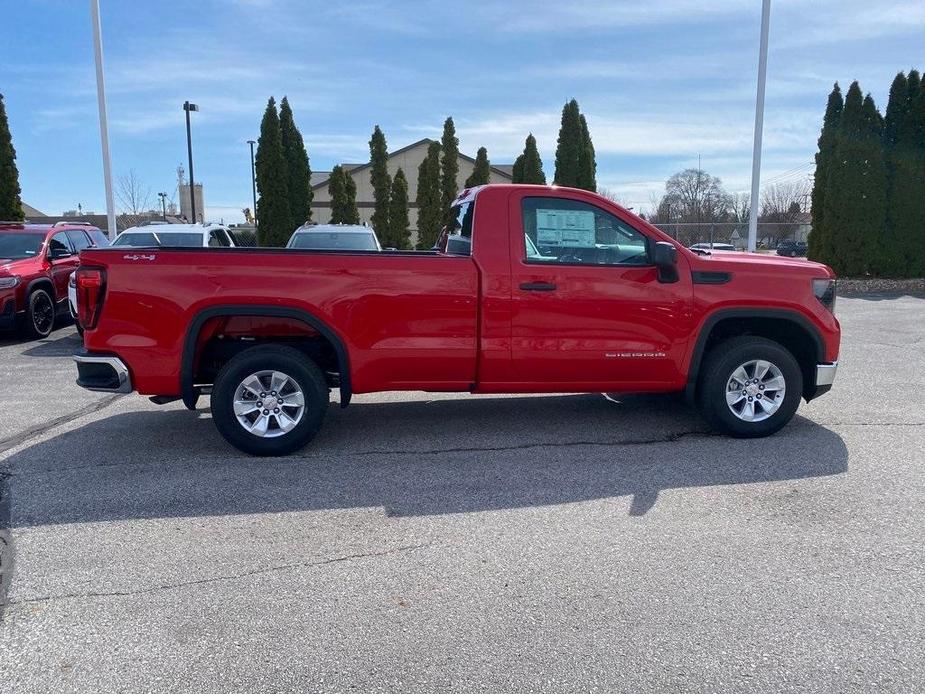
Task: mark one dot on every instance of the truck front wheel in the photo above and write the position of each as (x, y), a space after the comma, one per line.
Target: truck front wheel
(751, 387)
(269, 400)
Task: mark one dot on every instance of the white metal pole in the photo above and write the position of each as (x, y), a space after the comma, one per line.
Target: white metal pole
(759, 125)
(104, 123)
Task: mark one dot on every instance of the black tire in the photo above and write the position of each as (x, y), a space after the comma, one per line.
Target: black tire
(294, 364)
(40, 314)
(717, 370)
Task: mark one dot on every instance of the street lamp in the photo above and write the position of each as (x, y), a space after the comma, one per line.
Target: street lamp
(163, 197)
(253, 181)
(188, 107)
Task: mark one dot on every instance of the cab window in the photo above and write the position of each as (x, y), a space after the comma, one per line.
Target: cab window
(571, 232)
(459, 230)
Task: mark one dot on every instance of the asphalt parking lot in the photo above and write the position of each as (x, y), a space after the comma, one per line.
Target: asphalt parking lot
(451, 543)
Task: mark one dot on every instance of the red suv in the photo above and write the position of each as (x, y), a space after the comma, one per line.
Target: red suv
(36, 261)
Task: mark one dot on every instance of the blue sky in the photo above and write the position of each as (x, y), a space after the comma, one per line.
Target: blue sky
(661, 82)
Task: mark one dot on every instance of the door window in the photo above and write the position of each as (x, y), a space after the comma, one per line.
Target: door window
(59, 242)
(571, 232)
(214, 240)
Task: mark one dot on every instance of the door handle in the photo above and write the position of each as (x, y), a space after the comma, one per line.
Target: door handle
(538, 286)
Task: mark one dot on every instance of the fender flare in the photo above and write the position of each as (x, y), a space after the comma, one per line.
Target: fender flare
(189, 392)
(798, 319)
(43, 283)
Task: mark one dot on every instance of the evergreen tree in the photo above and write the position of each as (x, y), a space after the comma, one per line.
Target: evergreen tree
(10, 202)
(481, 172)
(569, 147)
(430, 216)
(820, 239)
(297, 166)
(855, 199)
(914, 239)
(450, 169)
(587, 166)
(904, 147)
(275, 226)
(337, 190)
(381, 181)
(399, 233)
(532, 164)
(517, 174)
(351, 213)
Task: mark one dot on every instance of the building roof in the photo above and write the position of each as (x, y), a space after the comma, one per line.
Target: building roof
(500, 169)
(30, 211)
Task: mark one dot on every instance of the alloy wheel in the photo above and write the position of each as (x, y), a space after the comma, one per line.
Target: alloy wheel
(269, 404)
(755, 390)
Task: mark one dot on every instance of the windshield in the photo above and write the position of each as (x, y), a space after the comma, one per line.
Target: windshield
(160, 238)
(19, 246)
(322, 241)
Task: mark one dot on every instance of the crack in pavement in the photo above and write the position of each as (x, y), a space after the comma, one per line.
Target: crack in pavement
(22, 437)
(671, 438)
(220, 579)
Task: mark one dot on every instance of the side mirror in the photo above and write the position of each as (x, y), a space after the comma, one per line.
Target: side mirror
(59, 254)
(665, 258)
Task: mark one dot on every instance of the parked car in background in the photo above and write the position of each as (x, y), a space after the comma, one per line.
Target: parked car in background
(334, 237)
(176, 236)
(36, 261)
(791, 249)
(712, 247)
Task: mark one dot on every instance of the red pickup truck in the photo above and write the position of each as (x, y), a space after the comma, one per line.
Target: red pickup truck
(533, 289)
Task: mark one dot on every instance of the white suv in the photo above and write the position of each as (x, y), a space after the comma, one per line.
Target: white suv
(185, 235)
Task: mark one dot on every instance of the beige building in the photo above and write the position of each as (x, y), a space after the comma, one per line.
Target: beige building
(408, 159)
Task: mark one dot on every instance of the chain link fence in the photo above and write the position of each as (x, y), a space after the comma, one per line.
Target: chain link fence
(770, 234)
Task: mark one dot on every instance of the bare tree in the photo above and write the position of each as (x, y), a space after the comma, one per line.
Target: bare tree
(781, 210)
(134, 196)
(739, 207)
(696, 196)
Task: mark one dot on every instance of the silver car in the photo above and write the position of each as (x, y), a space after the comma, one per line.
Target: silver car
(335, 237)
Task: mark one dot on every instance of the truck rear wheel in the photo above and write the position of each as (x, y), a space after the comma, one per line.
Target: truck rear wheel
(751, 387)
(269, 400)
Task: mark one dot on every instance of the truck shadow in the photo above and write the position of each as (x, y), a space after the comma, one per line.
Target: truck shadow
(410, 458)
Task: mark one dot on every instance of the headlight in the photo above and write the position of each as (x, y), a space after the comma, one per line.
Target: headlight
(824, 289)
(9, 282)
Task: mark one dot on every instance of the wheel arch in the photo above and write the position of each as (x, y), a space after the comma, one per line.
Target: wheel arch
(789, 328)
(42, 283)
(188, 391)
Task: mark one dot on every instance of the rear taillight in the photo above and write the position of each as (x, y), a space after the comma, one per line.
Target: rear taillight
(91, 286)
(824, 289)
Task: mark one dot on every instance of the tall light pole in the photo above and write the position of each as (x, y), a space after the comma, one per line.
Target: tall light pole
(759, 125)
(253, 181)
(104, 121)
(188, 107)
(163, 197)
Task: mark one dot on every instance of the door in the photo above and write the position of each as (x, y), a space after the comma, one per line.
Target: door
(588, 310)
(63, 262)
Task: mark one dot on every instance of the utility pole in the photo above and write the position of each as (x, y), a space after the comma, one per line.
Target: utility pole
(188, 107)
(759, 125)
(254, 182)
(104, 121)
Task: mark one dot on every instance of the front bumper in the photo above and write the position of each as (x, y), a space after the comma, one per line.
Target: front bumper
(825, 377)
(7, 313)
(102, 373)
